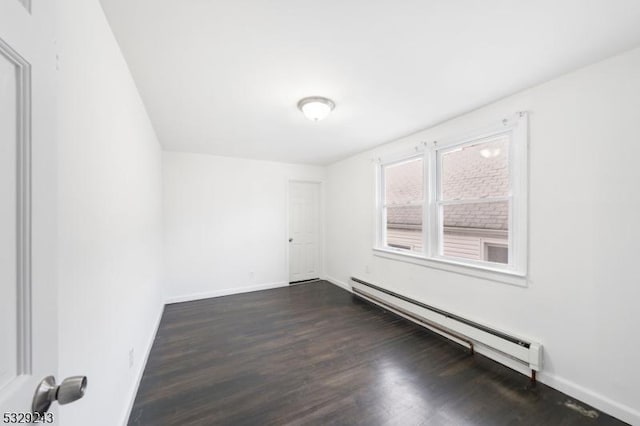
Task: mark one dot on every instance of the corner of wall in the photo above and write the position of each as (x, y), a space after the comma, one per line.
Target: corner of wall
(142, 365)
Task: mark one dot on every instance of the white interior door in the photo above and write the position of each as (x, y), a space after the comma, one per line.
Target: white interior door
(28, 286)
(304, 231)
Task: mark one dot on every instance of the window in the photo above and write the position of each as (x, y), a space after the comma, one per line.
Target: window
(461, 201)
(473, 198)
(403, 204)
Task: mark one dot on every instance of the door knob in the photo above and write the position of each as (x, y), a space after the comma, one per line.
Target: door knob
(71, 389)
(290, 239)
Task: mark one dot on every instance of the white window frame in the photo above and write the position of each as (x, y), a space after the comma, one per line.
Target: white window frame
(517, 128)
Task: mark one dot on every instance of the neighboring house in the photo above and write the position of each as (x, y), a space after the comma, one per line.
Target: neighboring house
(473, 230)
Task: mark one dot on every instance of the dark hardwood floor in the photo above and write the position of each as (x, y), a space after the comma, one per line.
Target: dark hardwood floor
(314, 354)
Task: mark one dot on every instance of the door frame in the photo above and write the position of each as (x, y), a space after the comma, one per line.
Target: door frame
(321, 225)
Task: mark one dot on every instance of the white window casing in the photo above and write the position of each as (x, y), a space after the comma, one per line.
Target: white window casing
(516, 127)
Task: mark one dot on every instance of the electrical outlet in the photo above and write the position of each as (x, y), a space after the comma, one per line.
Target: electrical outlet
(131, 358)
(367, 269)
(252, 276)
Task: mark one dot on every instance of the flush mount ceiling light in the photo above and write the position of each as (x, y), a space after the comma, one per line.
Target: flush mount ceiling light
(316, 108)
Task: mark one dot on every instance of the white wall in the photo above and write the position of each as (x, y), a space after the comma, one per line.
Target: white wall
(225, 223)
(583, 289)
(110, 221)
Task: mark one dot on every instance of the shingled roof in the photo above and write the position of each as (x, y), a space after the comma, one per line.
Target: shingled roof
(475, 171)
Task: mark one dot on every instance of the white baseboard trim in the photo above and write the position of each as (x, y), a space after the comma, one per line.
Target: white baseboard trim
(598, 401)
(338, 283)
(142, 366)
(223, 292)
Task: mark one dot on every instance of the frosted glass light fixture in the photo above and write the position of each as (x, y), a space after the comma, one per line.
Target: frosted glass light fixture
(316, 108)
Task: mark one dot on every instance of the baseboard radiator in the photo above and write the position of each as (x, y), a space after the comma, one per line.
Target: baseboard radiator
(459, 329)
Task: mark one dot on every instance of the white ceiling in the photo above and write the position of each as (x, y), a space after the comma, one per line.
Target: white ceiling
(224, 77)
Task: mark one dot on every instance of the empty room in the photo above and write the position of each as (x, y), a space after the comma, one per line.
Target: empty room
(294, 212)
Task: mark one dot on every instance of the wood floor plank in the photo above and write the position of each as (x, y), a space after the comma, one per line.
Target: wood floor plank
(315, 354)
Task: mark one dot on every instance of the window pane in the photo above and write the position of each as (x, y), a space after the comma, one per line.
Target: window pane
(404, 182)
(478, 170)
(404, 188)
(467, 226)
(404, 228)
(496, 253)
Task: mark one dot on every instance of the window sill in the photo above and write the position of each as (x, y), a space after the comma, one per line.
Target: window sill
(482, 272)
